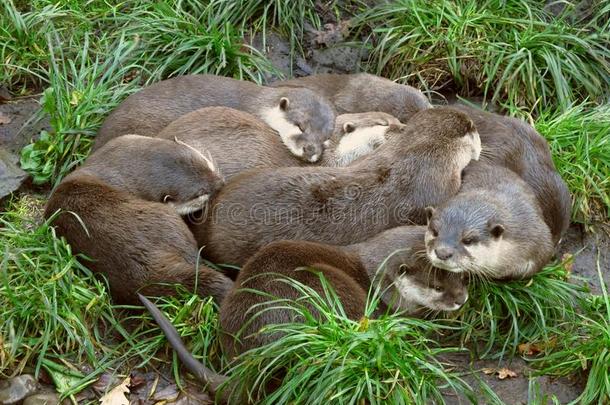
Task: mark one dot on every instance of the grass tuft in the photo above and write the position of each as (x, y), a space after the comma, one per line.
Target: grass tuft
(82, 92)
(511, 52)
(580, 144)
(50, 304)
(338, 360)
(584, 348)
(501, 315)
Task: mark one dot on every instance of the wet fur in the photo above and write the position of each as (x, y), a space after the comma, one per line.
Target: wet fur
(388, 188)
(238, 141)
(362, 92)
(350, 270)
(151, 109)
(514, 144)
(111, 213)
(491, 196)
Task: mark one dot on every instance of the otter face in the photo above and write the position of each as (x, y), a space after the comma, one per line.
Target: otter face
(466, 234)
(193, 180)
(359, 141)
(430, 288)
(305, 123)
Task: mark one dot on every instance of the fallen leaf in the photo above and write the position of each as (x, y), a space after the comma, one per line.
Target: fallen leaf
(489, 371)
(4, 119)
(506, 373)
(567, 260)
(116, 396)
(529, 349)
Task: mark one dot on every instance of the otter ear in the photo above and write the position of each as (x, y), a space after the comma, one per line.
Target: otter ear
(496, 230)
(284, 103)
(429, 213)
(349, 127)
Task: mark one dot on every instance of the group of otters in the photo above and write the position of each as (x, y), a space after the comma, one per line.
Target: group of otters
(327, 174)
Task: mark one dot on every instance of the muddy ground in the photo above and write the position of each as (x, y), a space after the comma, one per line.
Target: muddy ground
(324, 52)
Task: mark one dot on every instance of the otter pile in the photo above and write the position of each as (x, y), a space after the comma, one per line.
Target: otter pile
(272, 179)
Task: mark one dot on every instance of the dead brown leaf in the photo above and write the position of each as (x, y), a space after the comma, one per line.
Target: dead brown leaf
(530, 349)
(489, 371)
(116, 396)
(504, 373)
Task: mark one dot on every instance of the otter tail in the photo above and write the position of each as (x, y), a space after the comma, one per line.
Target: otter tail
(199, 370)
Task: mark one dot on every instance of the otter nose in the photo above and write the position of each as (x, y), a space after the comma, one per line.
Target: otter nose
(309, 149)
(461, 300)
(443, 253)
(312, 152)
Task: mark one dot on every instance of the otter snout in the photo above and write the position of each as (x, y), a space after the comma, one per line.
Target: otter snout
(444, 253)
(312, 152)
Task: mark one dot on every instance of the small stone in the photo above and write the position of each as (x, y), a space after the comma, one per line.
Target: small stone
(17, 388)
(42, 399)
(11, 175)
(5, 95)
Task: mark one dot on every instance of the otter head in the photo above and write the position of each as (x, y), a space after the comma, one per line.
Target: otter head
(427, 287)
(468, 233)
(193, 181)
(304, 121)
(359, 134)
(406, 101)
(452, 129)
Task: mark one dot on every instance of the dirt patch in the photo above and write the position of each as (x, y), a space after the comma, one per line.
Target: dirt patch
(588, 248)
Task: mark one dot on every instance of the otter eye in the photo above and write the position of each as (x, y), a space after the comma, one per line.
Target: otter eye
(434, 231)
(438, 288)
(167, 198)
(300, 126)
(469, 240)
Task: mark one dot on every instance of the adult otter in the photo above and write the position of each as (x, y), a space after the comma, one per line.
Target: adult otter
(238, 141)
(391, 187)
(350, 271)
(303, 119)
(112, 212)
(493, 227)
(361, 92)
(514, 144)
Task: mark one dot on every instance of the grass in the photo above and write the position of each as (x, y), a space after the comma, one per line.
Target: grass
(500, 316)
(584, 348)
(507, 51)
(338, 360)
(580, 144)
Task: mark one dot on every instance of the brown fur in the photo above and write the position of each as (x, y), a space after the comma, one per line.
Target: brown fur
(514, 144)
(341, 205)
(350, 270)
(361, 92)
(151, 109)
(238, 141)
(111, 213)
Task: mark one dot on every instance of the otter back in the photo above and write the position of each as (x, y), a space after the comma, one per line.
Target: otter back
(362, 92)
(388, 188)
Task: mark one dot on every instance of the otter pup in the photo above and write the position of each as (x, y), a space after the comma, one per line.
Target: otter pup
(303, 119)
(122, 210)
(514, 144)
(238, 140)
(420, 166)
(492, 227)
(350, 270)
(362, 92)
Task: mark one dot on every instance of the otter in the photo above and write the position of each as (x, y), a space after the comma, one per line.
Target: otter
(238, 141)
(493, 227)
(362, 92)
(419, 167)
(303, 119)
(122, 209)
(514, 144)
(352, 271)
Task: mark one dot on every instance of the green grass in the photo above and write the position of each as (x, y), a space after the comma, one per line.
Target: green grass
(338, 360)
(584, 349)
(499, 316)
(82, 92)
(580, 144)
(511, 52)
